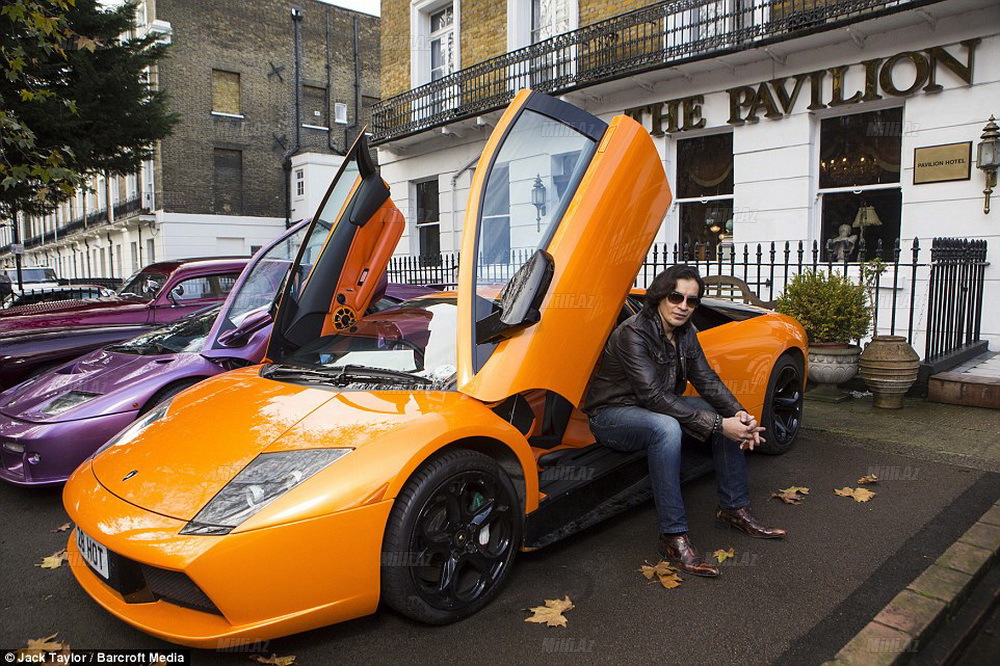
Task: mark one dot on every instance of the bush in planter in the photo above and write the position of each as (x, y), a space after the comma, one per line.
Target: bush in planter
(831, 307)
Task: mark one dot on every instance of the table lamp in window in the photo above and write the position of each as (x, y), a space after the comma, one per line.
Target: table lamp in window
(866, 217)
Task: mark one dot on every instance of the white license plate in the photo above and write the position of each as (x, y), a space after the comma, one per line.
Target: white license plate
(94, 553)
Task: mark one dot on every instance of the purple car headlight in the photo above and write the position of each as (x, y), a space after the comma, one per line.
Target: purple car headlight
(265, 479)
(67, 401)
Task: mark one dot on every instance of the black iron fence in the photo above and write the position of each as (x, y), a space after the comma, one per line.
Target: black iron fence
(935, 300)
(955, 298)
(661, 35)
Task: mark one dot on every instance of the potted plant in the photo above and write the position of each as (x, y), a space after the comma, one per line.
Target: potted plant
(833, 310)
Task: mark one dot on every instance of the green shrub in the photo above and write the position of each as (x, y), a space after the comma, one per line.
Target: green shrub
(831, 307)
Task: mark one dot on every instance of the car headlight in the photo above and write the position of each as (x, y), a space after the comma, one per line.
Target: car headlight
(67, 401)
(265, 479)
(134, 430)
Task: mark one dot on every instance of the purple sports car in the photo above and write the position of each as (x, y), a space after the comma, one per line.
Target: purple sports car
(53, 422)
(42, 336)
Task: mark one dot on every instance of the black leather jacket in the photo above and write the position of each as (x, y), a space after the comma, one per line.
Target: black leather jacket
(639, 367)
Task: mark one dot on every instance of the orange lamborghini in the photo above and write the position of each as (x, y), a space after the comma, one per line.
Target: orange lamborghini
(407, 456)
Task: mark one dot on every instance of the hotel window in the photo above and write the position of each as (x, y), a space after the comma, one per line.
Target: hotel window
(705, 193)
(428, 222)
(859, 170)
(226, 93)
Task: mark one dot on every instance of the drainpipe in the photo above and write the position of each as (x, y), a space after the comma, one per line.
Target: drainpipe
(329, 87)
(357, 90)
(297, 120)
(454, 202)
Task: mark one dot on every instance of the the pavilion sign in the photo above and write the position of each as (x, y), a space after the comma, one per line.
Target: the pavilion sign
(777, 98)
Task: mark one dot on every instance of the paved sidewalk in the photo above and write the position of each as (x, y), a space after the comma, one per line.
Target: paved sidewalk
(952, 434)
(958, 435)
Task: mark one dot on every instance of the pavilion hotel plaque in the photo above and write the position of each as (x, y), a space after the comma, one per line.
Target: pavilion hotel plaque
(937, 164)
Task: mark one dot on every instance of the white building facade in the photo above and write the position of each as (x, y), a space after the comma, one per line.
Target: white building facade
(872, 124)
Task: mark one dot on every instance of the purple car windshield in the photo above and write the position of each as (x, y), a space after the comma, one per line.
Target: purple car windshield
(142, 286)
(416, 338)
(184, 335)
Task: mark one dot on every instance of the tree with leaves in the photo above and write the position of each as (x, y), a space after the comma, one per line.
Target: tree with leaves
(75, 97)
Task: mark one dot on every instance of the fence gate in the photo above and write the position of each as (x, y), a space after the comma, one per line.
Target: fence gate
(955, 302)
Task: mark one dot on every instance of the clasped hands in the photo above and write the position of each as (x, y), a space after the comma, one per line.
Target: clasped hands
(743, 428)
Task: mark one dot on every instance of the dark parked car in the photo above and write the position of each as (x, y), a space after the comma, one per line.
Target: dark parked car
(61, 293)
(47, 334)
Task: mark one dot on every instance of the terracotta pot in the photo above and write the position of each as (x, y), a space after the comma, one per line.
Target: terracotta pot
(889, 367)
(829, 365)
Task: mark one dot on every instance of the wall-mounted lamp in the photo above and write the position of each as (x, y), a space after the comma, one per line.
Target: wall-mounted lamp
(538, 200)
(989, 158)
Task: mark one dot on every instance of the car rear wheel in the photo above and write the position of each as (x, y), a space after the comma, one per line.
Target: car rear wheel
(451, 538)
(783, 405)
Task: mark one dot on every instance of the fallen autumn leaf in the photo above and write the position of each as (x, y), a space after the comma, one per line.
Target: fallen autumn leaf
(857, 494)
(661, 568)
(38, 647)
(723, 555)
(792, 495)
(664, 571)
(274, 659)
(551, 614)
(62, 528)
(868, 478)
(54, 561)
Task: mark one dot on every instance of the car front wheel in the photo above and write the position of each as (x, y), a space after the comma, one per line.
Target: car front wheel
(451, 538)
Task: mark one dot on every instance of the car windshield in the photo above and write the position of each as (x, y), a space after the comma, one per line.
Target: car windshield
(185, 335)
(29, 275)
(142, 286)
(260, 287)
(416, 338)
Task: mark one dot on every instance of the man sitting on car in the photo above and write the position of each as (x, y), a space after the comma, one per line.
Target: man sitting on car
(635, 402)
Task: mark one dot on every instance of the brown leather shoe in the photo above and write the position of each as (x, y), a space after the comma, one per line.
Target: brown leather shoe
(678, 549)
(742, 519)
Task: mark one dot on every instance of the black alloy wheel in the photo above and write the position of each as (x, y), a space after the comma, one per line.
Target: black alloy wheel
(451, 538)
(783, 405)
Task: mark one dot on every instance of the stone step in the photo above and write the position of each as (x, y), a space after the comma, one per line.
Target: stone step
(965, 388)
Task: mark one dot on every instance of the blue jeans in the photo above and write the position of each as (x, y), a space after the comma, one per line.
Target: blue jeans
(632, 428)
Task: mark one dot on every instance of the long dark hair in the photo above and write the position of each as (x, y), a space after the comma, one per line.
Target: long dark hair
(666, 282)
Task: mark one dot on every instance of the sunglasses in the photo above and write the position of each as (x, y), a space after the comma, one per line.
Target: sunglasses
(676, 298)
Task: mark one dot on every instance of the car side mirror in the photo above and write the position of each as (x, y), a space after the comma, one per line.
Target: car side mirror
(239, 336)
(520, 301)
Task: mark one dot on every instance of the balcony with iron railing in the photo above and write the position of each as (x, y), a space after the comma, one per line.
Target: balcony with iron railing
(665, 34)
(93, 219)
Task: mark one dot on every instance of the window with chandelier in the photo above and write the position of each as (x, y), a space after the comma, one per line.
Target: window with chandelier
(859, 165)
(705, 193)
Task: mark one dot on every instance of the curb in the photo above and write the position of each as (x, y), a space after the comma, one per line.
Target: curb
(894, 636)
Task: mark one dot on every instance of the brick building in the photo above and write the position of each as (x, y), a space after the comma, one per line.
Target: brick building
(777, 120)
(239, 163)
